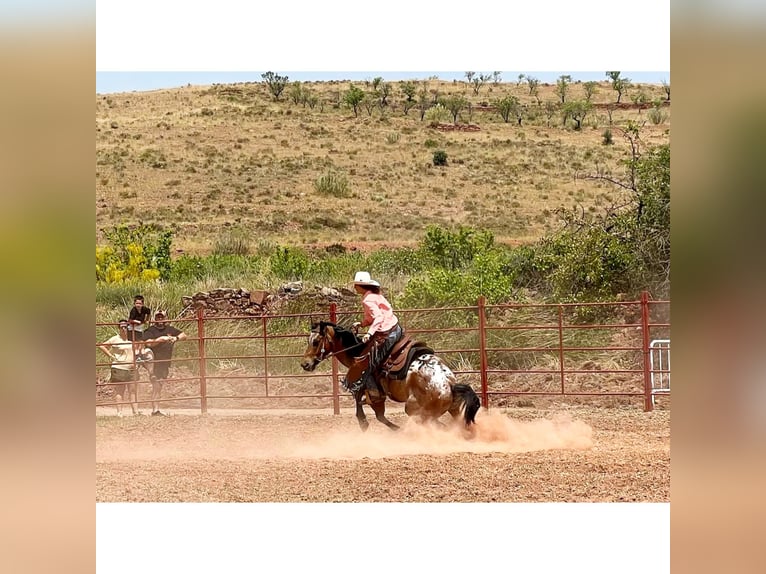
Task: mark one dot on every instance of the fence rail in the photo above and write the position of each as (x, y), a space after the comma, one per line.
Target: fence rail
(503, 350)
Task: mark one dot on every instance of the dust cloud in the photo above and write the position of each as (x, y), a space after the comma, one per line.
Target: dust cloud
(493, 433)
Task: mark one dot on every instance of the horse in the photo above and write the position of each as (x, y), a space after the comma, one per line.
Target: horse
(428, 390)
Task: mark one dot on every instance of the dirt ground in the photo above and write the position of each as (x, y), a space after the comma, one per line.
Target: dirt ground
(565, 453)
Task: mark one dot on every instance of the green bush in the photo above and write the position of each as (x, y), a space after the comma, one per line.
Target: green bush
(440, 157)
(289, 263)
(187, 268)
(608, 139)
(139, 252)
(441, 247)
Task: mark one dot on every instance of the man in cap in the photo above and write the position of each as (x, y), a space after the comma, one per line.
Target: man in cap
(160, 338)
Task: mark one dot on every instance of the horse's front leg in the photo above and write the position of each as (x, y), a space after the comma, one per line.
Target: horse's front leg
(360, 416)
(379, 406)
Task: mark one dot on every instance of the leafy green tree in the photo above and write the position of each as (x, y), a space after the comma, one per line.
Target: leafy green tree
(409, 89)
(577, 110)
(140, 252)
(479, 81)
(619, 84)
(276, 83)
(507, 106)
(533, 84)
(354, 96)
(562, 87)
(296, 93)
(590, 88)
(455, 103)
(424, 102)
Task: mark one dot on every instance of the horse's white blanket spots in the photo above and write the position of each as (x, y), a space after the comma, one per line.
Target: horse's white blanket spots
(438, 374)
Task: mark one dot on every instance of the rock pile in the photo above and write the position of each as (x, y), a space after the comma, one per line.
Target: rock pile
(229, 302)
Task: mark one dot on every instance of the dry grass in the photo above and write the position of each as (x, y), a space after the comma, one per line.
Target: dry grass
(202, 159)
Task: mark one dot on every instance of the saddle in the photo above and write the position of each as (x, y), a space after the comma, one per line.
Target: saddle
(397, 363)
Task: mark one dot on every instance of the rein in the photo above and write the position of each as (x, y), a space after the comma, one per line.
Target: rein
(325, 355)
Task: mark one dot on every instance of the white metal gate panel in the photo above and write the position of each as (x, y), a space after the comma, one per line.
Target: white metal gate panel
(659, 363)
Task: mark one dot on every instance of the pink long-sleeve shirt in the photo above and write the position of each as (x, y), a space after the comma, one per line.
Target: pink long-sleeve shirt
(378, 314)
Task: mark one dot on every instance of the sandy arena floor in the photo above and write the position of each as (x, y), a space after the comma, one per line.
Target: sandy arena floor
(566, 454)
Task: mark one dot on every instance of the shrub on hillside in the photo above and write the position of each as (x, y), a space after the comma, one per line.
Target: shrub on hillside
(141, 252)
(332, 183)
(440, 157)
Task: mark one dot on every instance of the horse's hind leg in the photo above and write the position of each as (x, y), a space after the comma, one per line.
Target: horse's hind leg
(360, 416)
(380, 413)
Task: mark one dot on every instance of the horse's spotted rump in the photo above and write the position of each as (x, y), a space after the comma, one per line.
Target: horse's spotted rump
(439, 375)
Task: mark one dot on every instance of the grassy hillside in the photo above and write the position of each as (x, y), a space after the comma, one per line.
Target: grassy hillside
(206, 160)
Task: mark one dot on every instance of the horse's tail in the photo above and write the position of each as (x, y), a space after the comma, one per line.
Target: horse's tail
(470, 399)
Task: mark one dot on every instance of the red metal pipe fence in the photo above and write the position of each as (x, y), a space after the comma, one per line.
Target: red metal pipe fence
(513, 349)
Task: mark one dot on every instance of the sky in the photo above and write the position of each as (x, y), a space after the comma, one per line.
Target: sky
(148, 45)
(108, 82)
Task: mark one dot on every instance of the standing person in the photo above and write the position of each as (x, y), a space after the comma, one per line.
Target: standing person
(160, 338)
(139, 317)
(119, 349)
(382, 327)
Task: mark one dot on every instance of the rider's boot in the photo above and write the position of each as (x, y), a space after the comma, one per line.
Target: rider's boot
(372, 387)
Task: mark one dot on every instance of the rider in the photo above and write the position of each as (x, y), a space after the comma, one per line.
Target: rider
(382, 327)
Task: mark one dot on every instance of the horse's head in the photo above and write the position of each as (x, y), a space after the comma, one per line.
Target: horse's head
(319, 345)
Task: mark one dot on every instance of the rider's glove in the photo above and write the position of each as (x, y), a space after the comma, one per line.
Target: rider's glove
(365, 337)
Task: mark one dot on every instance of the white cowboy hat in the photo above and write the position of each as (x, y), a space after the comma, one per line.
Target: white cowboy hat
(363, 278)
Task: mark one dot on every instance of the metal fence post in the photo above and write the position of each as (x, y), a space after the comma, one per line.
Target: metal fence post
(561, 347)
(483, 351)
(202, 360)
(335, 387)
(648, 406)
(265, 357)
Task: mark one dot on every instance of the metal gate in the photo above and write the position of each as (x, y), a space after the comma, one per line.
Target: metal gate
(659, 364)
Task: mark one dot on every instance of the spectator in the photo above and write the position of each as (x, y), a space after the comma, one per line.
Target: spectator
(119, 349)
(160, 338)
(139, 317)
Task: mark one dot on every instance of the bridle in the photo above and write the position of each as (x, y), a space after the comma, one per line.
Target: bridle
(323, 353)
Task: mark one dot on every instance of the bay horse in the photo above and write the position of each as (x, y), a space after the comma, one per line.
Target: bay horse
(429, 389)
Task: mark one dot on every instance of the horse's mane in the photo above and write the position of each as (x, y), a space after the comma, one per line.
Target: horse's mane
(348, 338)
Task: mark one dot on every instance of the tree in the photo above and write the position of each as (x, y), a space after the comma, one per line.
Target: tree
(384, 91)
(424, 102)
(551, 108)
(276, 83)
(533, 84)
(479, 81)
(296, 93)
(562, 86)
(590, 89)
(409, 89)
(666, 87)
(506, 107)
(454, 103)
(353, 98)
(577, 110)
(619, 85)
(469, 76)
(497, 77)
